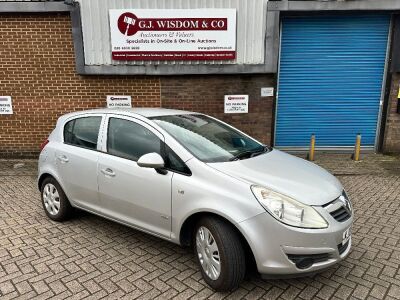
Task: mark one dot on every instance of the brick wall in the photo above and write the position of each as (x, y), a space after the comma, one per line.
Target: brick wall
(206, 94)
(37, 69)
(392, 131)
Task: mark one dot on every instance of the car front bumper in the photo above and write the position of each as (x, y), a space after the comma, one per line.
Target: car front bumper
(281, 250)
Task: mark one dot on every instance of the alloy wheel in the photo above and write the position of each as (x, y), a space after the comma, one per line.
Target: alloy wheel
(208, 253)
(51, 199)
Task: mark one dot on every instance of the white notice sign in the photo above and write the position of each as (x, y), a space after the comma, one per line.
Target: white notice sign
(267, 92)
(236, 104)
(119, 101)
(6, 105)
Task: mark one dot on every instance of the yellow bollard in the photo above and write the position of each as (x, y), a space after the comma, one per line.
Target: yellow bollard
(312, 148)
(357, 148)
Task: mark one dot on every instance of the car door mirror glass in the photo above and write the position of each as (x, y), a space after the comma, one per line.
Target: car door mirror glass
(151, 160)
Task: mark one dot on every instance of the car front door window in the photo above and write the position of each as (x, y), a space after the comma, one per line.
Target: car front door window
(130, 140)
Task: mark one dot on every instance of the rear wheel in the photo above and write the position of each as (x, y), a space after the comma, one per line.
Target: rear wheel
(55, 202)
(219, 253)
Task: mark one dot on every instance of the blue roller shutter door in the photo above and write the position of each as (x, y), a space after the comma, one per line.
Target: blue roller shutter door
(330, 79)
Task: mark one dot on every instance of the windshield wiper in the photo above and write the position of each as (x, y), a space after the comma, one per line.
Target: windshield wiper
(249, 153)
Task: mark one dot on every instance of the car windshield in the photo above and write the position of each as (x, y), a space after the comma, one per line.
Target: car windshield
(208, 139)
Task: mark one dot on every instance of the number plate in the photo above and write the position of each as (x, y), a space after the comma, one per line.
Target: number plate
(346, 236)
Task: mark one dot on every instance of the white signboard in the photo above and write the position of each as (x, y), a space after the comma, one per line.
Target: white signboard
(119, 101)
(236, 104)
(267, 92)
(173, 34)
(6, 105)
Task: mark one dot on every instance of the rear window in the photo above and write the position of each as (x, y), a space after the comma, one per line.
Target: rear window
(82, 132)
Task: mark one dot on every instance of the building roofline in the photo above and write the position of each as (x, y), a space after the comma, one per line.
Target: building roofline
(34, 7)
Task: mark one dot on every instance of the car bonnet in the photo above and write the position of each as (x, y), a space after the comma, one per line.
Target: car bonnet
(292, 176)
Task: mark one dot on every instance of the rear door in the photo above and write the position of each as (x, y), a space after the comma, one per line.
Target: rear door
(77, 160)
(137, 196)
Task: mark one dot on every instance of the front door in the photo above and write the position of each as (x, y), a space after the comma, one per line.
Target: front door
(137, 196)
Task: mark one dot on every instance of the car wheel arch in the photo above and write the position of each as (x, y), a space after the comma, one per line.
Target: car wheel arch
(42, 178)
(187, 228)
(45, 175)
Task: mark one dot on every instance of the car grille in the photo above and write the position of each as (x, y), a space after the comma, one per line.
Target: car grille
(340, 214)
(342, 247)
(340, 210)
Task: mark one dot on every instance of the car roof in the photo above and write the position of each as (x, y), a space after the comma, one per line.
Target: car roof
(146, 112)
(157, 112)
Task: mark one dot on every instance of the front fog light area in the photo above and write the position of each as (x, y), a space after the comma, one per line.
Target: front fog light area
(288, 210)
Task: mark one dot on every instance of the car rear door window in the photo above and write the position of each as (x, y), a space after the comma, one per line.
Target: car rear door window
(130, 140)
(83, 132)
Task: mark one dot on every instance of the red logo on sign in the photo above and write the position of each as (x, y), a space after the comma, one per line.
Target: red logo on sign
(128, 24)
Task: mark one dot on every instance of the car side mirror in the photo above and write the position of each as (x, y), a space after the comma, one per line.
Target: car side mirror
(151, 160)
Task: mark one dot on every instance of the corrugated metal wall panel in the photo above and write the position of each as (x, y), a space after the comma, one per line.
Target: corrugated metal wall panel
(251, 26)
(330, 79)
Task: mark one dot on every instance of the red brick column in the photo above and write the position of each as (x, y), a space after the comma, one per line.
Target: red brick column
(392, 131)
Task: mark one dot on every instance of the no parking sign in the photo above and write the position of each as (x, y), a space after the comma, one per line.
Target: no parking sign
(119, 101)
(6, 105)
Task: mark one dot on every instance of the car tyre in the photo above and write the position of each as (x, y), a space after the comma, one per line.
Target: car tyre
(219, 253)
(54, 201)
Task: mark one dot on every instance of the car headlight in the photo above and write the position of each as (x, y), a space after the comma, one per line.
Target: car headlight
(288, 210)
(346, 201)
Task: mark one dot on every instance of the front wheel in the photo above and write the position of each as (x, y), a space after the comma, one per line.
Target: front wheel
(220, 254)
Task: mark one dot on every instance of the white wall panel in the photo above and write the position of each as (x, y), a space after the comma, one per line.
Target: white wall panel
(251, 26)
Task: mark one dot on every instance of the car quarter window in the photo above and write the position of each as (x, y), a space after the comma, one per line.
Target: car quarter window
(174, 163)
(130, 140)
(83, 132)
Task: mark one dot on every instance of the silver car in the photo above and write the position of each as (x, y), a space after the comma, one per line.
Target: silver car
(196, 181)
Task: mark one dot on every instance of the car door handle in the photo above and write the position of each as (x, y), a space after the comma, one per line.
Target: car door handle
(108, 172)
(63, 158)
